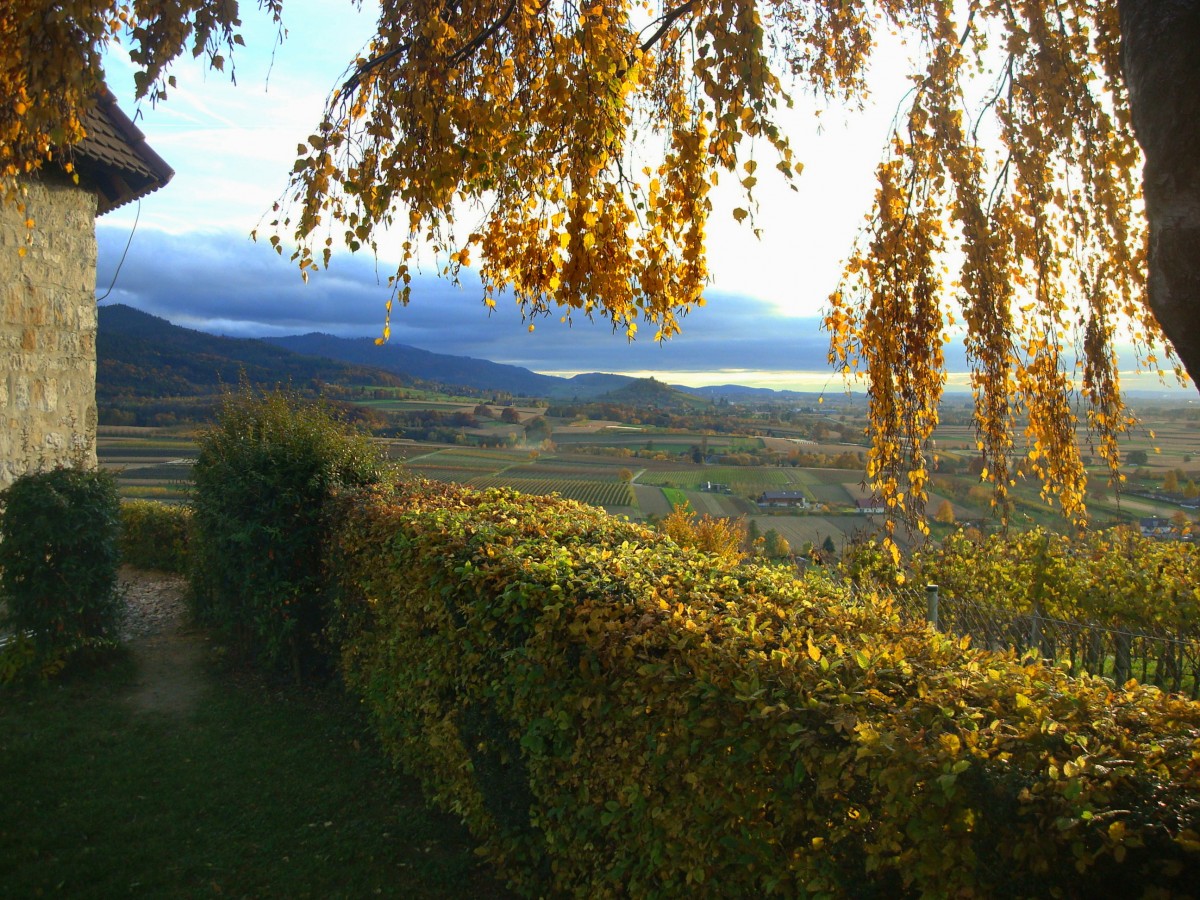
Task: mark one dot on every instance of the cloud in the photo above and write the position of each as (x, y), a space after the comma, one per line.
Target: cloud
(222, 283)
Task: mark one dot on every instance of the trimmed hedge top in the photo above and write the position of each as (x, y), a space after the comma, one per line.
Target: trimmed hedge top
(263, 480)
(613, 714)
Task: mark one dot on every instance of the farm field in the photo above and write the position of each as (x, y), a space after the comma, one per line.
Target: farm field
(829, 476)
(593, 463)
(149, 463)
(674, 497)
(154, 463)
(1170, 436)
(832, 494)
(955, 437)
(608, 494)
(593, 427)
(651, 501)
(402, 449)
(720, 505)
(787, 445)
(492, 430)
(553, 468)
(454, 474)
(463, 458)
(667, 442)
(741, 479)
(843, 530)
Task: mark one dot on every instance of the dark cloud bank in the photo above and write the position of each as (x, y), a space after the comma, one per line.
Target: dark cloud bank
(224, 284)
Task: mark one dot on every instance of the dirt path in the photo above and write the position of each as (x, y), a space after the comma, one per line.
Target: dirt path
(169, 655)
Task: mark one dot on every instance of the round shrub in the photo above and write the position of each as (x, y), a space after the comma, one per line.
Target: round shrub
(261, 521)
(155, 535)
(58, 560)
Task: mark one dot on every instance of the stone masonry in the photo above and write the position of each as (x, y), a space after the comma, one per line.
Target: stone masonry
(47, 330)
(47, 292)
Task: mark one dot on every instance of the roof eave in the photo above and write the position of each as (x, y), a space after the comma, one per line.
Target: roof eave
(115, 184)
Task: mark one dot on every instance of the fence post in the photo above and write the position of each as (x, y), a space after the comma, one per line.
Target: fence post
(931, 604)
(1123, 659)
(1035, 629)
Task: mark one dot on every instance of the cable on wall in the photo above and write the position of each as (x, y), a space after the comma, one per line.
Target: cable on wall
(132, 231)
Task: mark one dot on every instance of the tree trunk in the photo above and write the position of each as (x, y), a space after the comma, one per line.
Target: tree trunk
(1160, 55)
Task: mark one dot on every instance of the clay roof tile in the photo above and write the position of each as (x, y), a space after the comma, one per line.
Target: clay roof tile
(114, 159)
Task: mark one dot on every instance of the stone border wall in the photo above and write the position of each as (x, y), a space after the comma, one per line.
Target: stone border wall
(47, 331)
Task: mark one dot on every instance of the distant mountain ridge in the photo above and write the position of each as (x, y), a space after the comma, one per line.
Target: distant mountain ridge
(483, 374)
(402, 359)
(139, 354)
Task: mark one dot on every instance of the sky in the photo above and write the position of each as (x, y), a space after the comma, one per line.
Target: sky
(187, 255)
(190, 258)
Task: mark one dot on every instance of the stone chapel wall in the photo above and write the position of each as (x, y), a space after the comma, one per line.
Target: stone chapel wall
(48, 331)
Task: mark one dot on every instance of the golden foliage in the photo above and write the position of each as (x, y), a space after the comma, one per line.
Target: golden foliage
(587, 138)
(724, 538)
(1115, 578)
(612, 717)
(51, 68)
(1050, 243)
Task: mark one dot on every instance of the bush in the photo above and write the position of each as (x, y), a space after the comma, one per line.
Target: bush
(724, 538)
(155, 535)
(262, 482)
(58, 562)
(613, 715)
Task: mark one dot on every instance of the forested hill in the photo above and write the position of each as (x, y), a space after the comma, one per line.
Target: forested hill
(485, 375)
(140, 355)
(650, 393)
(480, 374)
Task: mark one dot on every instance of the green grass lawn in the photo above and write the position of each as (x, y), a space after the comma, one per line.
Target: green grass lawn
(256, 792)
(675, 497)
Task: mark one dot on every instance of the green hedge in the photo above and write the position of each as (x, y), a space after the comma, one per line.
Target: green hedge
(613, 715)
(262, 484)
(58, 566)
(155, 535)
